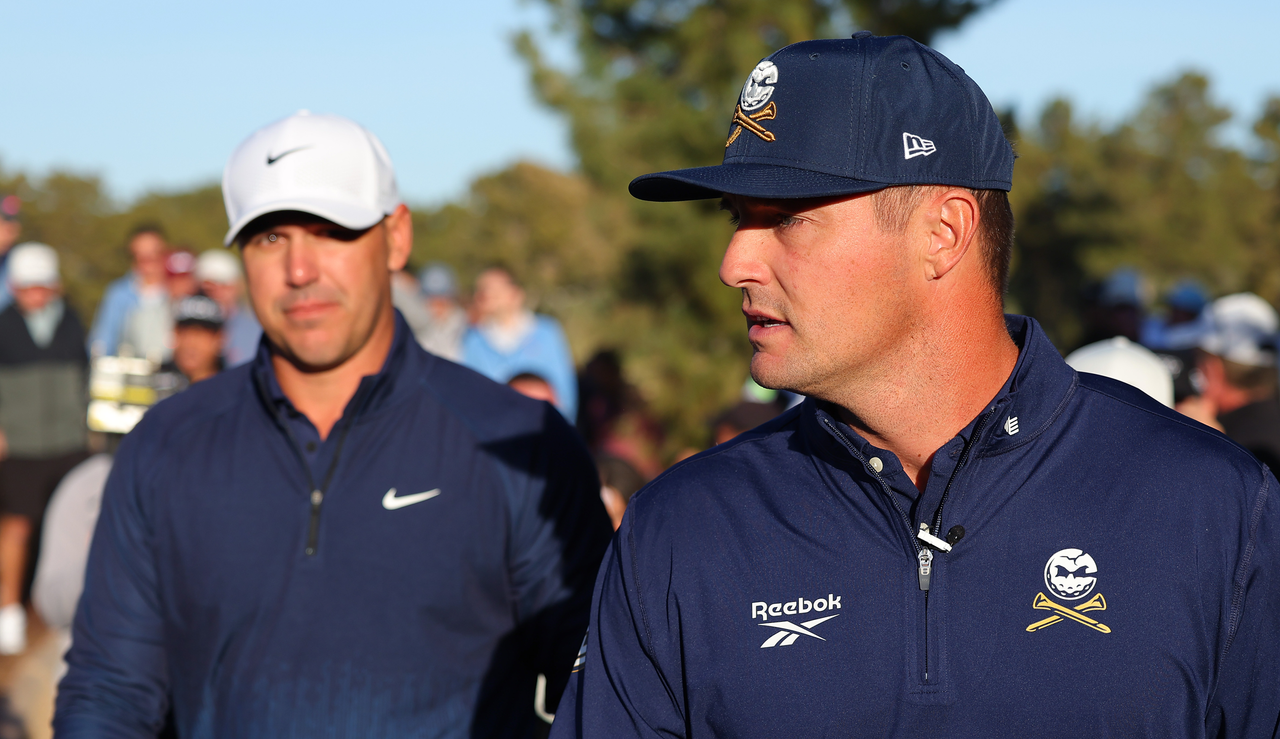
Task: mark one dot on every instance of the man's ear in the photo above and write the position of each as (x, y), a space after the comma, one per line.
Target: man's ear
(953, 226)
(399, 237)
(1214, 372)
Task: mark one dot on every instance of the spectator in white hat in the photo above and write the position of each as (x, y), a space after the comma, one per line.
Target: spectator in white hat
(1237, 364)
(218, 272)
(43, 368)
(1130, 363)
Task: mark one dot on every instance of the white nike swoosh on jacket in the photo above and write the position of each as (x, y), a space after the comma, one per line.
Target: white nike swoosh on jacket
(391, 502)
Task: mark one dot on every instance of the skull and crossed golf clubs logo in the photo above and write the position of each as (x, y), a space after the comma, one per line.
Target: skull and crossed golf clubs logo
(1069, 576)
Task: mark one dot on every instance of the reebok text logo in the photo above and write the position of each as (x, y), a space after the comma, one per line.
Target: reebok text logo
(791, 608)
(787, 632)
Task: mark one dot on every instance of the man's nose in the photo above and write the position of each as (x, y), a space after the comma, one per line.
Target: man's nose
(743, 264)
(301, 268)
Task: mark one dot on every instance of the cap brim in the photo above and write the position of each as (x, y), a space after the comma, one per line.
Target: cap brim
(769, 181)
(343, 214)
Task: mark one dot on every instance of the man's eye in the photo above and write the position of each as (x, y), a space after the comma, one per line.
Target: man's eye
(784, 221)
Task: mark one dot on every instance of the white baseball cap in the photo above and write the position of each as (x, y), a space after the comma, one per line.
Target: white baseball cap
(1123, 360)
(1241, 328)
(325, 165)
(218, 266)
(33, 265)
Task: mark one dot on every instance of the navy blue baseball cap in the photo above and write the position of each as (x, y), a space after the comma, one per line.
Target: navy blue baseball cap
(845, 116)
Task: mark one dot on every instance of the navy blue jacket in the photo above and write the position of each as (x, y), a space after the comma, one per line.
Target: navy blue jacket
(1116, 577)
(220, 587)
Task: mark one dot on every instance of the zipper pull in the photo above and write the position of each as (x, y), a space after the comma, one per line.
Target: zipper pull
(926, 567)
(313, 529)
(933, 541)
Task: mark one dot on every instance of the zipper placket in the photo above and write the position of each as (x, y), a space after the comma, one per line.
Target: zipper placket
(964, 458)
(924, 554)
(317, 493)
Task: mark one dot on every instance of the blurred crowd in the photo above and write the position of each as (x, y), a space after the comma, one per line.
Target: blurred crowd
(67, 394)
(1213, 360)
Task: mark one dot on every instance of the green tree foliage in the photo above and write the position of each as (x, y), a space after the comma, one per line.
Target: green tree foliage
(654, 89)
(1160, 191)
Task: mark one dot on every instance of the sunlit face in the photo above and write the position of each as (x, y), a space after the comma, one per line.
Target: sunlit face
(225, 294)
(319, 289)
(496, 295)
(196, 350)
(148, 251)
(180, 286)
(827, 294)
(32, 298)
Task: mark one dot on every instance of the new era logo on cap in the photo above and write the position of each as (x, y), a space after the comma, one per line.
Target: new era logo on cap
(914, 146)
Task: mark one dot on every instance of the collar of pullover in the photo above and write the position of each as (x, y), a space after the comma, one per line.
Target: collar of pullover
(1030, 401)
(372, 393)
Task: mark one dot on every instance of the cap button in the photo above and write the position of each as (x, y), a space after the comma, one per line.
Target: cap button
(863, 34)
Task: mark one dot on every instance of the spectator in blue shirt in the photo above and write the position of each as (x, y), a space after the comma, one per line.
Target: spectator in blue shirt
(10, 229)
(509, 339)
(145, 283)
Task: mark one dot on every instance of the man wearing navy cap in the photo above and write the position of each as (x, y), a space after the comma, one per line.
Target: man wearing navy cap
(955, 535)
(346, 536)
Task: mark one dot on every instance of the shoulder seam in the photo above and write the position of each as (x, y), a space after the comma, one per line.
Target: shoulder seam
(1178, 419)
(644, 612)
(648, 647)
(1237, 582)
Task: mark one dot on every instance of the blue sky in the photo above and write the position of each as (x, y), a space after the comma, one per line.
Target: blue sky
(152, 95)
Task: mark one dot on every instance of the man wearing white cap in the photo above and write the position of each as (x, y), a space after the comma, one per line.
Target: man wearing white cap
(43, 400)
(1237, 363)
(347, 536)
(218, 273)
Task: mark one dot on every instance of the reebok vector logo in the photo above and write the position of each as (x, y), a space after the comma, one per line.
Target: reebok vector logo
(914, 146)
(786, 633)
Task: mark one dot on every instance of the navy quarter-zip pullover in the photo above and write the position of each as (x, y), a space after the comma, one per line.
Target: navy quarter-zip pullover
(1114, 576)
(409, 576)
